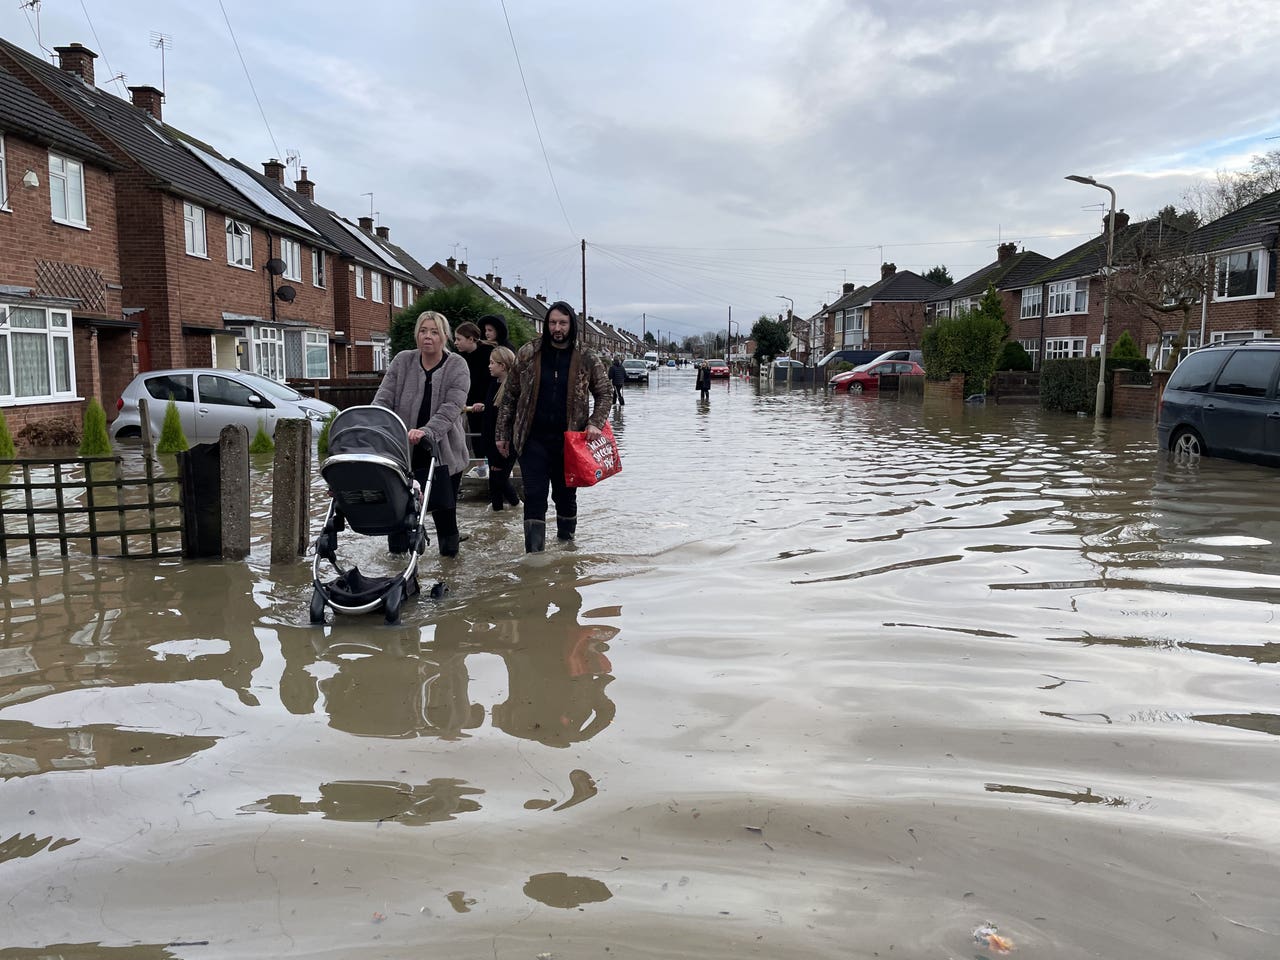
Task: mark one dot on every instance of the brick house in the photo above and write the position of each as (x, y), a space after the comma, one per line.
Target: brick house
(1010, 269)
(453, 272)
(1057, 311)
(887, 315)
(63, 335)
(199, 239)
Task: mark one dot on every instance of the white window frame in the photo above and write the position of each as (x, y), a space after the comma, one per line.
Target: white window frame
(56, 332)
(239, 244)
(1067, 297)
(412, 295)
(359, 282)
(381, 354)
(1064, 348)
(291, 254)
(1160, 355)
(317, 267)
(4, 180)
(375, 286)
(1032, 347)
(1032, 302)
(311, 341)
(397, 292)
(1221, 336)
(943, 310)
(859, 317)
(193, 232)
(66, 180)
(1264, 286)
(268, 352)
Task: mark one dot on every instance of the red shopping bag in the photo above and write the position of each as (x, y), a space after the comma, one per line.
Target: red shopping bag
(587, 461)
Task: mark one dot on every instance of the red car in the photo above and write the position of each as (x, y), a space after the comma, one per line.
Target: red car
(718, 368)
(867, 377)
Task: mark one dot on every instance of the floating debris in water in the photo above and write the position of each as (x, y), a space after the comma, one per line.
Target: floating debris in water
(987, 935)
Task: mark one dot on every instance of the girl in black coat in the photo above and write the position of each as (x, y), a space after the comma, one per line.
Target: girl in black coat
(501, 490)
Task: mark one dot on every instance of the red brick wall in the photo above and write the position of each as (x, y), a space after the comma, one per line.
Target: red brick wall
(894, 326)
(952, 389)
(1233, 315)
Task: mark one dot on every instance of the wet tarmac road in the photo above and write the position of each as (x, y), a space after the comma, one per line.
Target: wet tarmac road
(822, 677)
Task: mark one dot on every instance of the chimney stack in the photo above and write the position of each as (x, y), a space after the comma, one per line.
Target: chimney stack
(887, 270)
(274, 169)
(848, 287)
(305, 187)
(462, 267)
(497, 281)
(1122, 221)
(77, 59)
(489, 277)
(366, 224)
(541, 298)
(384, 233)
(148, 99)
(451, 263)
(1005, 251)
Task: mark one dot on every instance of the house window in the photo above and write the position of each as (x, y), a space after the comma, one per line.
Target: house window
(268, 352)
(1063, 348)
(1160, 359)
(412, 293)
(856, 326)
(360, 282)
(1033, 350)
(316, 345)
(1069, 296)
(317, 267)
(381, 354)
(37, 361)
(4, 178)
(1248, 273)
(397, 293)
(1031, 301)
(1223, 335)
(944, 310)
(66, 190)
(375, 285)
(291, 254)
(193, 230)
(239, 244)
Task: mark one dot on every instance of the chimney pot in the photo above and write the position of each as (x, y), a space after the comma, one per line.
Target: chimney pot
(887, 270)
(462, 266)
(366, 224)
(541, 298)
(451, 263)
(78, 59)
(305, 187)
(497, 281)
(384, 233)
(848, 288)
(1005, 251)
(489, 277)
(148, 99)
(274, 169)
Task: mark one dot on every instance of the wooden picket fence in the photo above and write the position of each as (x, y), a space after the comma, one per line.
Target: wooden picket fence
(68, 500)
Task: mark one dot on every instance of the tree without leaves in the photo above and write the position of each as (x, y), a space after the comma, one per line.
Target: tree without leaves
(1160, 277)
(1231, 190)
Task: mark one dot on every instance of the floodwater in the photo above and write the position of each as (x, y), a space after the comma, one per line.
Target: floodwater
(822, 677)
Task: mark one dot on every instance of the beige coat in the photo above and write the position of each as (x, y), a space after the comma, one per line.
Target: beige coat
(402, 388)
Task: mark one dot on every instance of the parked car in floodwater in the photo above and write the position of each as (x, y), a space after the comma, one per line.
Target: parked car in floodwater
(718, 368)
(208, 400)
(867, 377)
(636, 370)
(1222, 401)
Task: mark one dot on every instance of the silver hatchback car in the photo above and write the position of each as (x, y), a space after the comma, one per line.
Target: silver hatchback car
(209, 400)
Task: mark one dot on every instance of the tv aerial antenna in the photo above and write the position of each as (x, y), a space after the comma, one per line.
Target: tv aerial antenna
(163, 42)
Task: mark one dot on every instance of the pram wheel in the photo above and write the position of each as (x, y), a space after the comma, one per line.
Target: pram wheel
(438, 590)
(391, 603)
(317, 605)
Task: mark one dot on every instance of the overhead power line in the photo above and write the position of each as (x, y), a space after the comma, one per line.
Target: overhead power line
(236, 43)
(534, 115)
(117, 77)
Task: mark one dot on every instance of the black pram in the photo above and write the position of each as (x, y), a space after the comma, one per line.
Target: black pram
(370, 478)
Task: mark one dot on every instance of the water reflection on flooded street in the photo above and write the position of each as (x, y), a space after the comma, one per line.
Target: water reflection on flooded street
(822, 676)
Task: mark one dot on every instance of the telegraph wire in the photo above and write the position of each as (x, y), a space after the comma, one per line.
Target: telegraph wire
(114, 76)
(538, 130)
(253, 89)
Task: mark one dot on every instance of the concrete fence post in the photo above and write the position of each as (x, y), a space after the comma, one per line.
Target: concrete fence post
(290, 491)
(233, 464)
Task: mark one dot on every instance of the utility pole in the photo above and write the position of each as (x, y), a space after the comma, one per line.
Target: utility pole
(584, 280)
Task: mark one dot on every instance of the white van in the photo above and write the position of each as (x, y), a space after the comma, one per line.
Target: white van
(651, 359)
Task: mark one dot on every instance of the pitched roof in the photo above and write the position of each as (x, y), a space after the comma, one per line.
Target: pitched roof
(899, 286)
(1012, 272)
(1250, 225)
(168, 154)
(25, 114)
(1089, 258)
(420, 273)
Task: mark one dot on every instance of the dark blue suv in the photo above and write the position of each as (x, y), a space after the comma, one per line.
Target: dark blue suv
(1221, 401)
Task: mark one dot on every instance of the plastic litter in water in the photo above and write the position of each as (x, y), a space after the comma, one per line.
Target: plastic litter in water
(987, 935)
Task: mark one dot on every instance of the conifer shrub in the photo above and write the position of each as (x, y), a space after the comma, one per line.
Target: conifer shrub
(172, 439)
(94, 441)
(7, 449)
(262, 442)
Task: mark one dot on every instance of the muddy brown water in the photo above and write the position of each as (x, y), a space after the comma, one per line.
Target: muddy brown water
(822, 677)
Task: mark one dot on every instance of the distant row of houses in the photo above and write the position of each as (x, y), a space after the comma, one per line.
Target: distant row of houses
(1223, 273)
(127, 244)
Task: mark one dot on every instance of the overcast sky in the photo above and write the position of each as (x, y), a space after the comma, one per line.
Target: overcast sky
(715, 154)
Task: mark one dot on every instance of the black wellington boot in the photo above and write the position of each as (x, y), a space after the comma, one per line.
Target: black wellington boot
(566, 527)
(448, 544)
(535, 536)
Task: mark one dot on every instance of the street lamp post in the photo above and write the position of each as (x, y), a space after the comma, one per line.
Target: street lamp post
(1101, 397)
(791, 312)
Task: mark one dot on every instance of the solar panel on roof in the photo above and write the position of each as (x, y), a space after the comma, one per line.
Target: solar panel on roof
(251, 190)
(373, 247)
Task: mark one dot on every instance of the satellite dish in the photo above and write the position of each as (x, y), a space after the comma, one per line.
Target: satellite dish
(286, 293)
(275, 266)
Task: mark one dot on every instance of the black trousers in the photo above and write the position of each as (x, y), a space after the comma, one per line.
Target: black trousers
(618, 398)
(445, 515)
(542, 466)
(500, 486)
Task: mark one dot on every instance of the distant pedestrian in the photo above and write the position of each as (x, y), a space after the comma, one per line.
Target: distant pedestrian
(557, 385)
(501, 490)
(702, 383)
(618, 377)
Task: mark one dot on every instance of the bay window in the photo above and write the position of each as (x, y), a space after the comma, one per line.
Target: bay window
(317, 354)
(37, 360)
(268, 352)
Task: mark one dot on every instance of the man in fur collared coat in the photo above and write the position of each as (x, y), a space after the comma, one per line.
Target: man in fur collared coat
(550, 391)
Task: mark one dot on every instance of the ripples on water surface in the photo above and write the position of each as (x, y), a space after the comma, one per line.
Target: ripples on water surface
(822, 677)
